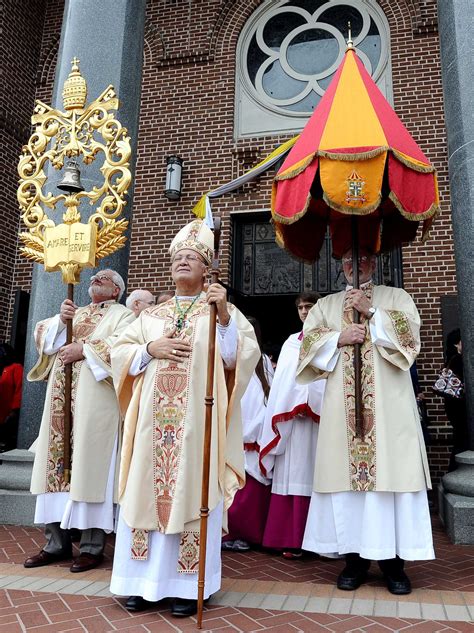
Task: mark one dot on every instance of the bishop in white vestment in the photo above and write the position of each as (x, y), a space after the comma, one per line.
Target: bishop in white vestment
(160, 367)
(369, 498)
(87, 503)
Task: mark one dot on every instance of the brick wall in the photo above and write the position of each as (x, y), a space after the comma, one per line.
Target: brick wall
(22, 25)
(43, 87)
(188, 109)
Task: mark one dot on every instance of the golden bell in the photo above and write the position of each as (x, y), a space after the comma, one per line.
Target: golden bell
(71, 182)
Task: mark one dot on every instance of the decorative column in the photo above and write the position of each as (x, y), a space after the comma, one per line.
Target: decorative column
(456, 26)
(108, 38)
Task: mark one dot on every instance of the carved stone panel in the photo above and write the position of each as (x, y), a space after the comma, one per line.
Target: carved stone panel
(261, 267)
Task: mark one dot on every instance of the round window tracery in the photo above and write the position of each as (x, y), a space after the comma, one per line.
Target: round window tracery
(294, 47)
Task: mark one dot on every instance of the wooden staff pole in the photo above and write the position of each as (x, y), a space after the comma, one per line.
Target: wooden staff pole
(68, 397)
(359, 419)
(209, 402)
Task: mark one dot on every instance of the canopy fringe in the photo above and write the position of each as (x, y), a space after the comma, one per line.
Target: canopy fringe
(297, 169)
(351, 157)
(416, 166)
(347, 210)
(432, 212)
(284, 220)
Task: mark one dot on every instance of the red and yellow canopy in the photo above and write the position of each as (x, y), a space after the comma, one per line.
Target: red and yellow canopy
(354, 157)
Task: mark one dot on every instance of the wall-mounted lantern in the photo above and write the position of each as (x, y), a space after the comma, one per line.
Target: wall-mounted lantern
(174, 168)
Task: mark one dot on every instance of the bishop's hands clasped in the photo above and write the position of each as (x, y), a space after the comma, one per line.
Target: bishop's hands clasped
(217, 294)
(357, 299)
(170, 348)
(352, 335)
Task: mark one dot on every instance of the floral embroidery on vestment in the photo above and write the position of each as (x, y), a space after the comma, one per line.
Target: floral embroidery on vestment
(188, 559)
(84, 326)
(405, 337)
(170, 404)
(139, 549)
(362, 451)
(310, 339)
(102, 349)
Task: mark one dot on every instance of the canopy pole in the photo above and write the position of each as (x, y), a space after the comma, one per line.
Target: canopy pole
(359, 420)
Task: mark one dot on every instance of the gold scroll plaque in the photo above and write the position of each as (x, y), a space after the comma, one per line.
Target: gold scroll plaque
(70, 243)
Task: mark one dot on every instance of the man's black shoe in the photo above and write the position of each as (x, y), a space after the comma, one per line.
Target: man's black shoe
(398, 583)
(183, 608)
(137, 604)
(351, 579)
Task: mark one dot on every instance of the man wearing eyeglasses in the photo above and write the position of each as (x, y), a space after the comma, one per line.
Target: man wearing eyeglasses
(369, 498)
(139, 300)
(160, 369)
(87, 502)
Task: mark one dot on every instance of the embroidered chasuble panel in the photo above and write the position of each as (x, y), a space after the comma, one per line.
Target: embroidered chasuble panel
(84, 326)
(362, 451)
(405, 338)
(170, 405)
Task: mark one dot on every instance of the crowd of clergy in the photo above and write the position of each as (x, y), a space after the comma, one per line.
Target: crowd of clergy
(290, 469)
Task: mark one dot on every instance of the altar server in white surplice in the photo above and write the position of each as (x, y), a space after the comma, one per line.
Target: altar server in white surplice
(288, 444)
(369, 500)
(248, 512)
(87, 503)
(160, 369)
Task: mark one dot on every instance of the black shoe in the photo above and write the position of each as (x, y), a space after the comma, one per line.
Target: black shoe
(354, 573)
(398, 583)
(183, 608)
(137, 604)
(351, 579)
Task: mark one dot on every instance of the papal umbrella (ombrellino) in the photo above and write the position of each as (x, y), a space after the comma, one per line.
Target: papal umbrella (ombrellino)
(356, 169)
(353, 158)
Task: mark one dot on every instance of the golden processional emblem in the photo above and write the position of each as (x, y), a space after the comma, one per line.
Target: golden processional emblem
(88, 132)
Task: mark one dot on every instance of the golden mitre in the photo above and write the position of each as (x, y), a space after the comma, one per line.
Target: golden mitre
(198, 237)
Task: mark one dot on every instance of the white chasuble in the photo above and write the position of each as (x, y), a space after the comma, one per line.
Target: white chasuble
(391, 456)
(162, 452)
(95, 412)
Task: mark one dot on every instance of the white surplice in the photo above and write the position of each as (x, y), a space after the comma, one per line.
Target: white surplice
(290, 435)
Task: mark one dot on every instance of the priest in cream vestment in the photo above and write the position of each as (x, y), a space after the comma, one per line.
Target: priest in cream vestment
(160, 366)
(87, 502)
(369, 499)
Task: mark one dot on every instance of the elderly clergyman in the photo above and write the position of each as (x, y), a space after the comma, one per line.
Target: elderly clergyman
(87, 502)
(369, 500)
(159, 367)
(139, 300)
